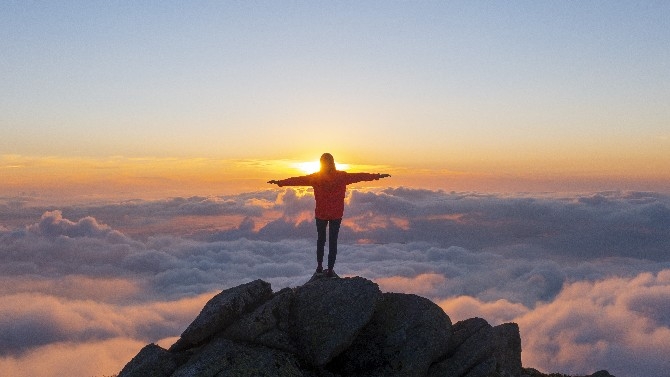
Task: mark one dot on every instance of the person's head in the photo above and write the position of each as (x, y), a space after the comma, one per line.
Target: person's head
(327, 162)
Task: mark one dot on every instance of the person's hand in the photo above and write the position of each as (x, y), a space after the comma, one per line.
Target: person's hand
(275, 182)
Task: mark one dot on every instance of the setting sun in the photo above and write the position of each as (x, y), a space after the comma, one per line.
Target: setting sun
(309, 167)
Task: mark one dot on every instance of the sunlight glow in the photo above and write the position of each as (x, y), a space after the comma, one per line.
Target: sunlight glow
(309, 167)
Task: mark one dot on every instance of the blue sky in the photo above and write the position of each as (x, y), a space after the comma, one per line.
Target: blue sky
(466, 85)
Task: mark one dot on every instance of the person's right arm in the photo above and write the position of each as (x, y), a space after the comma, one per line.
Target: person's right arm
(305, 180)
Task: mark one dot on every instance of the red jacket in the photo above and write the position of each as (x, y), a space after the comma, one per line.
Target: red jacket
(329, 190)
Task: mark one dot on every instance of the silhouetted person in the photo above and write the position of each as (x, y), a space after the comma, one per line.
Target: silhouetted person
(329, 186)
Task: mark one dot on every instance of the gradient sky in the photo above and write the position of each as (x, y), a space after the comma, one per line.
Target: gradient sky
(527, 142)
(552, 91)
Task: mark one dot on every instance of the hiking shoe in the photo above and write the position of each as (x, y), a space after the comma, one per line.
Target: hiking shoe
(330, 272)
(319, 270)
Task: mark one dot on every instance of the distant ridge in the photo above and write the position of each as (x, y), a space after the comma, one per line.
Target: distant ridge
(332, 327)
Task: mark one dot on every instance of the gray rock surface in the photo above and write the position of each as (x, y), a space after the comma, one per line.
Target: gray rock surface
(333, 327)
(479, 350)
(462, 330)
(328, 314)
(507, 349)
(268, 325)
(531, 372)
(273, 314)
(151, 361)
(222, 357)
(475, 349)
(404, 337)
(222, 310)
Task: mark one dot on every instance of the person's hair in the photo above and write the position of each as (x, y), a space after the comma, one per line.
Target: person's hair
(327, 162)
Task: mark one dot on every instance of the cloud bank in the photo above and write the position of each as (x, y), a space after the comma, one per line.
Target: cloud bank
(586, 277)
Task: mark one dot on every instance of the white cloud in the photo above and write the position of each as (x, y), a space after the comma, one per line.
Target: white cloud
(572, 271)
(611, 324)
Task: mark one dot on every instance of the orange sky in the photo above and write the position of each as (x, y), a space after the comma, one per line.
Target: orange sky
(90, 179)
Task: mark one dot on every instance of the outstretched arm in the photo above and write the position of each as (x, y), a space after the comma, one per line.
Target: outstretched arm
(359, 177)
(305, 180)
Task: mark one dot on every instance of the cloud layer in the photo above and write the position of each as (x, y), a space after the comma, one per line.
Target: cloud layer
(586, 277)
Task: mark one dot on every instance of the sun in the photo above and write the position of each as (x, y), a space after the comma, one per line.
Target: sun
(309, 167)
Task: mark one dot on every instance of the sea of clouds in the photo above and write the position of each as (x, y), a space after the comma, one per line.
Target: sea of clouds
(586, 277)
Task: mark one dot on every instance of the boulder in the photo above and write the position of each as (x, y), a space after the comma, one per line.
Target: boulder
(479, 350)
(475, 349)
(222, 357)
(266, 317)
(600, 373)
(333, 327)
(151, 361)
(507, 349)
(327, 315)
(268, 325)
(404, 337)
(322, 275)
(462, 330)
(221, 311)
(532, 372)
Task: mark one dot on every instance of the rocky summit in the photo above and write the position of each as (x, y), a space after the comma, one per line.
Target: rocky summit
(332, 327)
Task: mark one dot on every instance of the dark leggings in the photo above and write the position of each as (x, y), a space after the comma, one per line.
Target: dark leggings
(333, 231)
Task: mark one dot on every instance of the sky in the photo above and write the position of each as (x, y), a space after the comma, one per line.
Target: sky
(521, 96)
(526, 141)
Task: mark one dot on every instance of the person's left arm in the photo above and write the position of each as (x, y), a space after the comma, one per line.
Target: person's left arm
(360, 177)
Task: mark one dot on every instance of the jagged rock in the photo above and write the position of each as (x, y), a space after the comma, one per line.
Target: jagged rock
(151, 361)
(222, 357)
(486, 368)
(265, 318)
(601, 373)
(462, 330)
(532, 372)
(404, 337)
(333, 327)
(507, 349)
(322, 275)
(327, 314)
(277, 339)
(268, 325)
(479, 350)
(222, 310)
(475, 349)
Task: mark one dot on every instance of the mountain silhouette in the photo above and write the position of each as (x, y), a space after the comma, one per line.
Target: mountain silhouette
(332, 327)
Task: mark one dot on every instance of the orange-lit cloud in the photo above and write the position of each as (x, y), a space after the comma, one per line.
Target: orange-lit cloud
(591, 324)
(84, 336)
(95, 358)
(496, 312)
(140, 270)
(423, 284)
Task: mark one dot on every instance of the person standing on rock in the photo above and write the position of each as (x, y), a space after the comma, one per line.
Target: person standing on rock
(330, 186)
